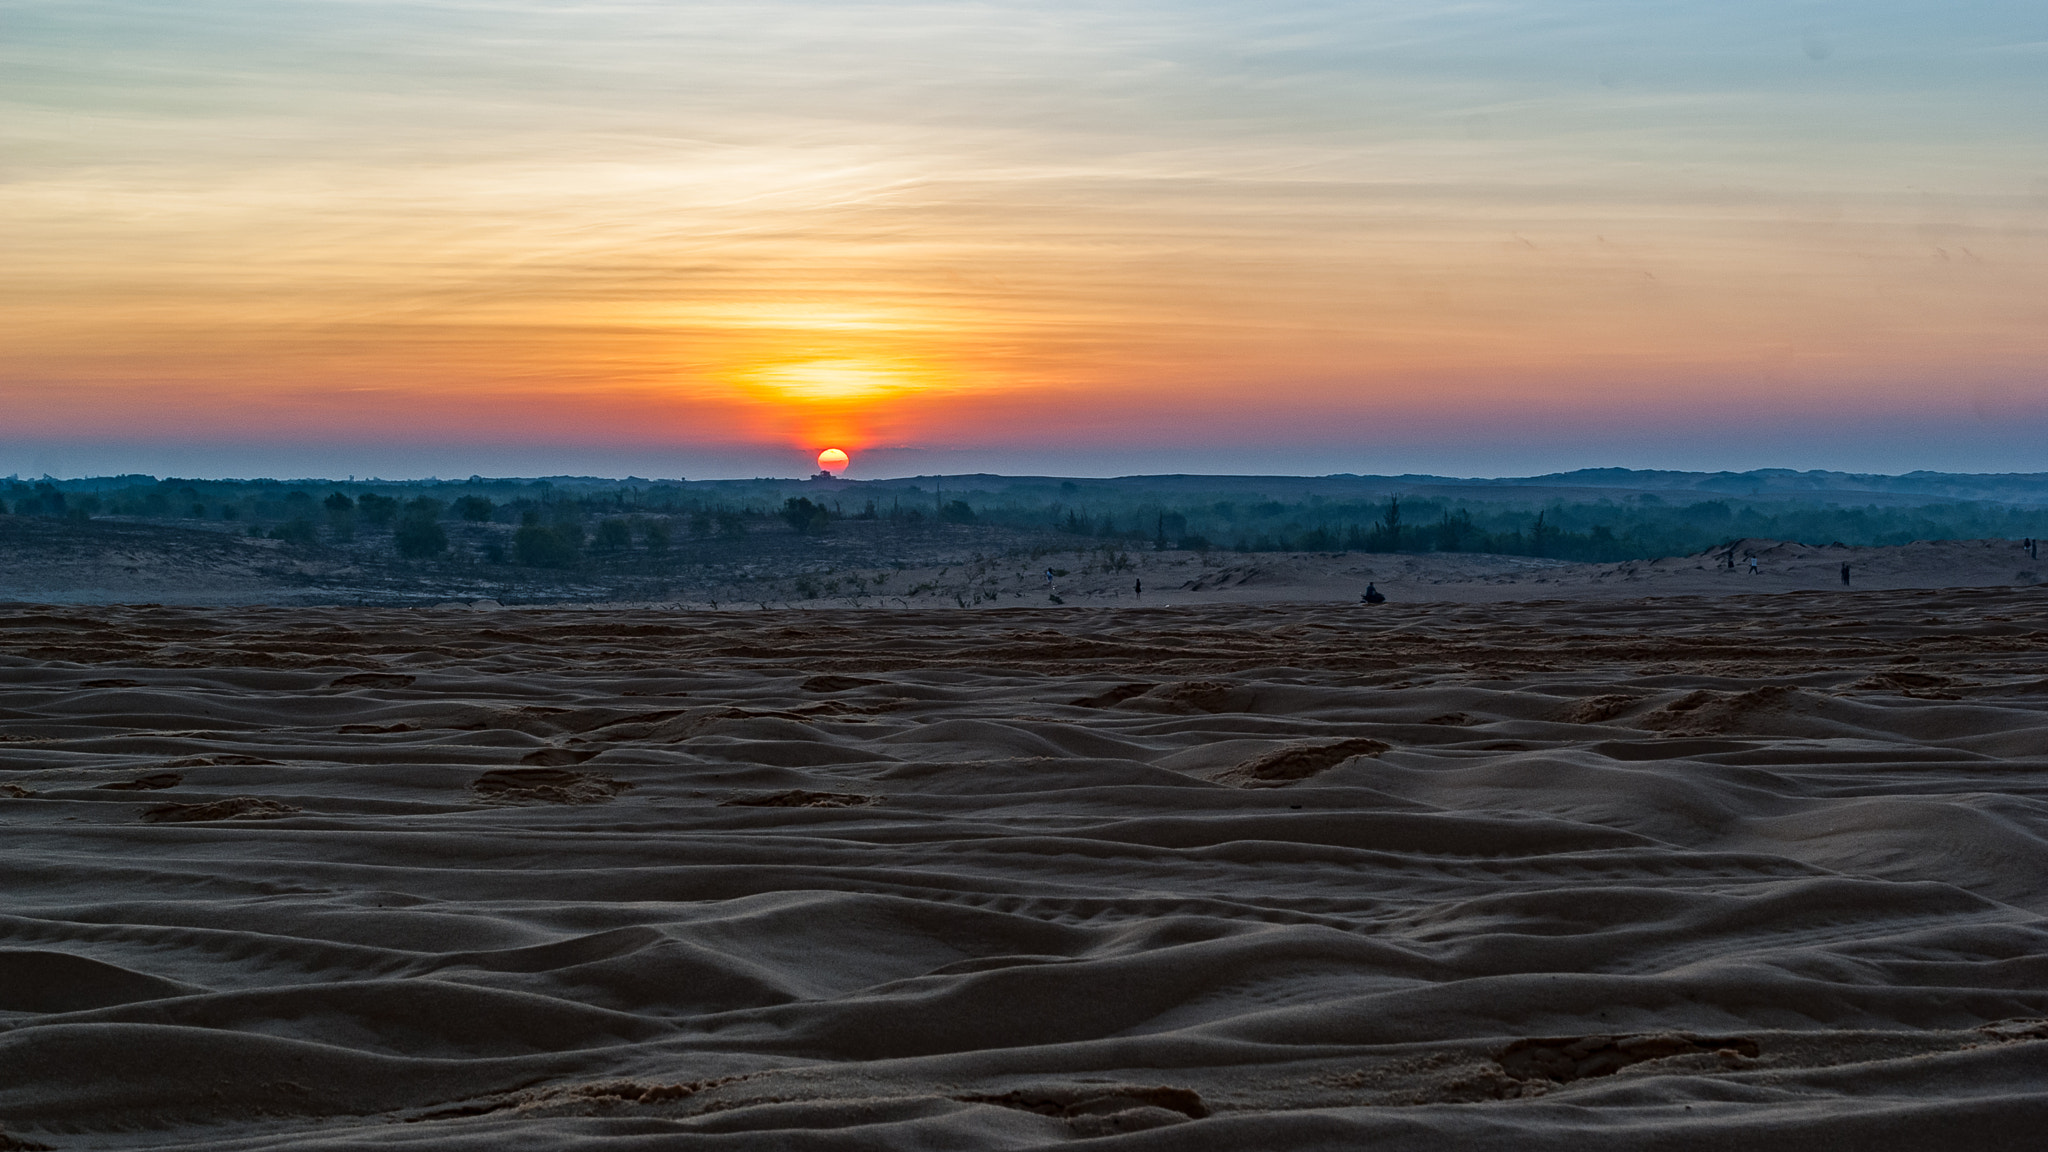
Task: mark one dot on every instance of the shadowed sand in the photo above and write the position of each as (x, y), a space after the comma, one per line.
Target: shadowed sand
(1700, 872)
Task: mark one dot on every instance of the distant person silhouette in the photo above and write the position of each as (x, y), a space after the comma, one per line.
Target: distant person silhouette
(1753, 569)
(1373, 595)
(1845, 575)
(1137, 587)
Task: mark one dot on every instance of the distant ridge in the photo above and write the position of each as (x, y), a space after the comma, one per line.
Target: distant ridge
(2013, 487)
(2018, 488)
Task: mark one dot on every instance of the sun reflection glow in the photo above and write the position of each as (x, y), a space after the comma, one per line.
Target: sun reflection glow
(828, 381)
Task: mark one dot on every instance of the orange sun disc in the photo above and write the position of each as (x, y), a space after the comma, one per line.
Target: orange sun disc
(832, 460)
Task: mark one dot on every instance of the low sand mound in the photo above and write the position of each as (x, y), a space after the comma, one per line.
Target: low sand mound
(1298, 762)
(1709, 713)
(1599, 709)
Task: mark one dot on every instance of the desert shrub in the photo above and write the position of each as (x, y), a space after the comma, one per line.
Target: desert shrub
(732, 524)
(957, 512)
(377, 510)
(657, 536)
(418, 537)
(298, 530)
(613, 535)
(805, 517)
(475, 509)
(539, 546)
(341, 515)
(46, 501)
(423, 508)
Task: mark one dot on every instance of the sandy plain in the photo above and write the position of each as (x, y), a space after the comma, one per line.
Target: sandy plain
(1735, 871)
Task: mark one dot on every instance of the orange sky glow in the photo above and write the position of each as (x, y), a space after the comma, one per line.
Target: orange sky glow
(1012, 229)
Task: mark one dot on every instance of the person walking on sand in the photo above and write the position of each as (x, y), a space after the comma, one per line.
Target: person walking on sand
(1138, 587)
(1845, 575)
(1753, 569)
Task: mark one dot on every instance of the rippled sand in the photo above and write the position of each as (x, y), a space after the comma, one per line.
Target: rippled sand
(1746, 872)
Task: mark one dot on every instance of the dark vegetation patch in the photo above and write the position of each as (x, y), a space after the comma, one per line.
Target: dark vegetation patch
(1564, 1060)
(1705, 712)
(217, 760)
(1598, 709)
(373, 680)
(559, 757)
(232, 808)
(801, 798)
(1111, 697)
(1298, 762)
(832, 682)
(545, 786)
(149, 783)
(1101, 1109)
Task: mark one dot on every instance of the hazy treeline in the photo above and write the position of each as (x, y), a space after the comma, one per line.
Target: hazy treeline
(1640, 527)
(566, 522)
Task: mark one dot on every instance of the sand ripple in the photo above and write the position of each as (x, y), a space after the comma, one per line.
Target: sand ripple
(1687, 873)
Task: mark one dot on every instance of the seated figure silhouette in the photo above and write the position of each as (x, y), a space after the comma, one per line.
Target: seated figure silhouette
(1373, 595)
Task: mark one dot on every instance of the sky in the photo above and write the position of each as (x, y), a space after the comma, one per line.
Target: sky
(611, 237)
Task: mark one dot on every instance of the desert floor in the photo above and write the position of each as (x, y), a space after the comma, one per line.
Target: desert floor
(1691, 872)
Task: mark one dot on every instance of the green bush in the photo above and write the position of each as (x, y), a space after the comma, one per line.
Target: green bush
(612, 536)
(476, 509)
(418, 538)
(377, 510)
(538, 546)
(657, 537)
(296, 531)
(805, 516)
(341, 515)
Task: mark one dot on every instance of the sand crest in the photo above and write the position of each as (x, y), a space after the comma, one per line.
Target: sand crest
(1701, 872)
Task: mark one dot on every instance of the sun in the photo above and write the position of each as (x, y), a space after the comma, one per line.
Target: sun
(832, 460)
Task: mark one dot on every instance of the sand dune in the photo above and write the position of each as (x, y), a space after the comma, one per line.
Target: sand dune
(1707, 872)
